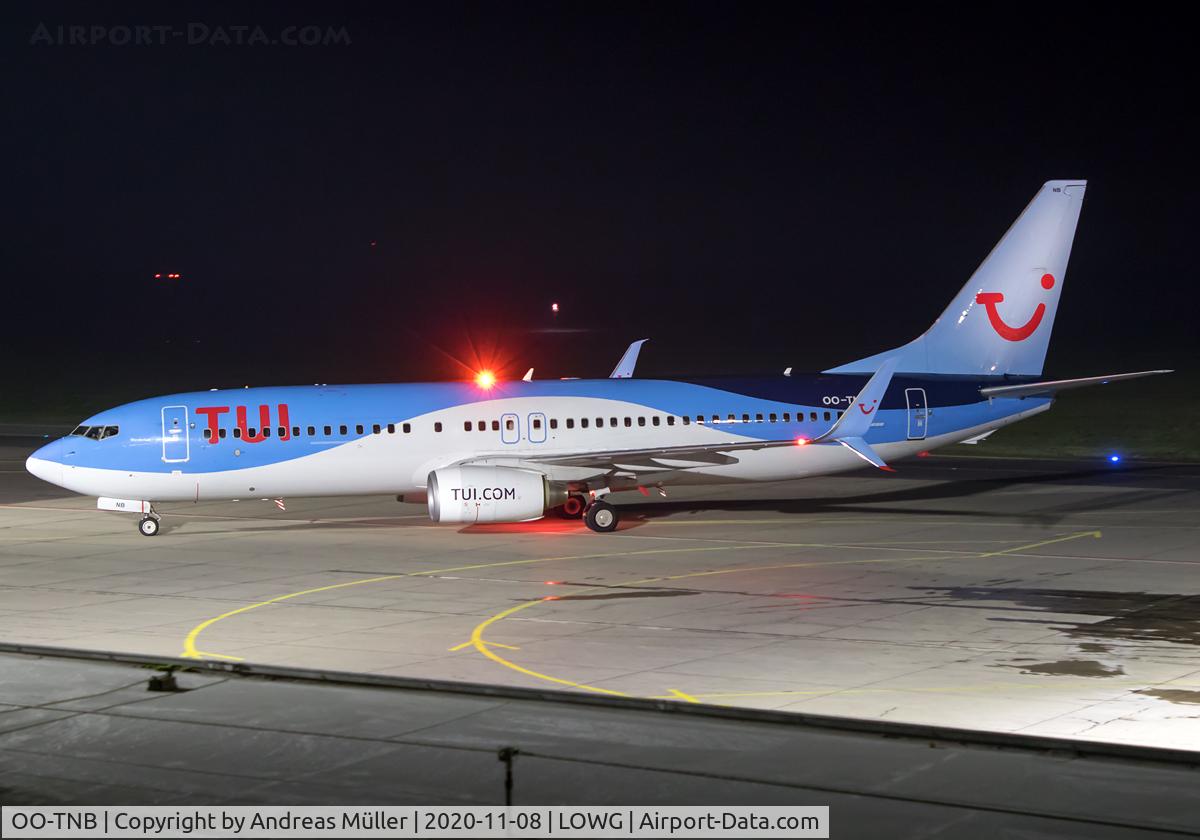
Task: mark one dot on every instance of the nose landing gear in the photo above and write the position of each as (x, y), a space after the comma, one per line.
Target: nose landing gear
(148, 525)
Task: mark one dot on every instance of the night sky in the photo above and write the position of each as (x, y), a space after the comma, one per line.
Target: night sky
(747, 187)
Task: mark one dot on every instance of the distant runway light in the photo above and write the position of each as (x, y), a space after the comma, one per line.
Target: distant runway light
(485, 379)
(554, 307)
(1114, 458)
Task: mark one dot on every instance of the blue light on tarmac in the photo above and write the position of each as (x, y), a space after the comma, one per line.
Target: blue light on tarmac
(1114, 458)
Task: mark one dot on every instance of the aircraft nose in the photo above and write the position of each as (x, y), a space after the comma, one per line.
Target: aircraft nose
(46, 463)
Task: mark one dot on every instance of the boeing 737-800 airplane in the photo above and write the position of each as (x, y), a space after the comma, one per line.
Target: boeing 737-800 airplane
(511, 451)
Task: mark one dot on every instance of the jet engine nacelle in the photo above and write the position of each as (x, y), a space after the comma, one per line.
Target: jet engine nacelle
(490, 494)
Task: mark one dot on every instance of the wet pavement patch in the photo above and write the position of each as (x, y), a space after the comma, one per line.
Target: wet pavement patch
(1131, 616)
(1069, 668)
(1172, 695)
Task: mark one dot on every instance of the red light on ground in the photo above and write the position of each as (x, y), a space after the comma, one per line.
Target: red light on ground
(550, 598)
(485, 379)
(923, 454)
(554, 307)
(552, 582)
(801, 441)
(157, 276)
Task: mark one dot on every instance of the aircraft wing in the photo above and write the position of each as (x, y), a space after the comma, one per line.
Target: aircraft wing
(621, 459)
(848, 431)
(1049, 388)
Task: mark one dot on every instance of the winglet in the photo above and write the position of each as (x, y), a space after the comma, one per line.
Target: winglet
(863, 450)
(528, 377)
(624, 368)
(856, 419)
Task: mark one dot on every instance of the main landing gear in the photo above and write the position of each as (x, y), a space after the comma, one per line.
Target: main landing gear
(148, 525)
(601, 517)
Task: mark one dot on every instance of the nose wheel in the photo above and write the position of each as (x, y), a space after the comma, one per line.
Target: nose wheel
(602, 517)
(148, 526)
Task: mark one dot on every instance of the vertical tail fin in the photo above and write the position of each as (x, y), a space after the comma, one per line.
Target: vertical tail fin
(1000, 321)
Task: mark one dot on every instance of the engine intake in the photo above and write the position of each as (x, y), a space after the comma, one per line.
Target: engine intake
(490, 494)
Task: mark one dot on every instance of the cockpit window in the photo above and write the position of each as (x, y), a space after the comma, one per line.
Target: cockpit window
(97, 432)
(80, 431)
(94, 432)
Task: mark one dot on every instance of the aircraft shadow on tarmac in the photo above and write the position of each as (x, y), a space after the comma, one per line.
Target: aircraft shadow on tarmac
(876, 503)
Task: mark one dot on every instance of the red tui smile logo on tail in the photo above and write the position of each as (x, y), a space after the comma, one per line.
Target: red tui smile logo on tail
(1010, 333)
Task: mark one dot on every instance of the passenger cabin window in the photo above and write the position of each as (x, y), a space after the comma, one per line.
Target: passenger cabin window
(686, 420)
(757, 418)
(812, 416)
(251, 431)
(312, 431)
(328, 431)
(358, 429)
(628, 422)
(746, 418)
(787, 417)
(495, 425)
(827, 415)
(570, 422)
(537, 422)
(467, 426)
(295, 431)
(774, 417)
(437, 427)
(670, 420)
(406, 428)
(583, 422)
(553, 423)
(222, 431)
(391, 427)
(641, 421)
(376, 429)
(341, 430)
(612, 421)
(237, 431)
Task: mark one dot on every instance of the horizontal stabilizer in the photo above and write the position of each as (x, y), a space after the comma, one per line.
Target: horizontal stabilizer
(1043, 389)
(624, 368)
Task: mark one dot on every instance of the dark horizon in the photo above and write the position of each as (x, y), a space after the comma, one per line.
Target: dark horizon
(749, 191)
